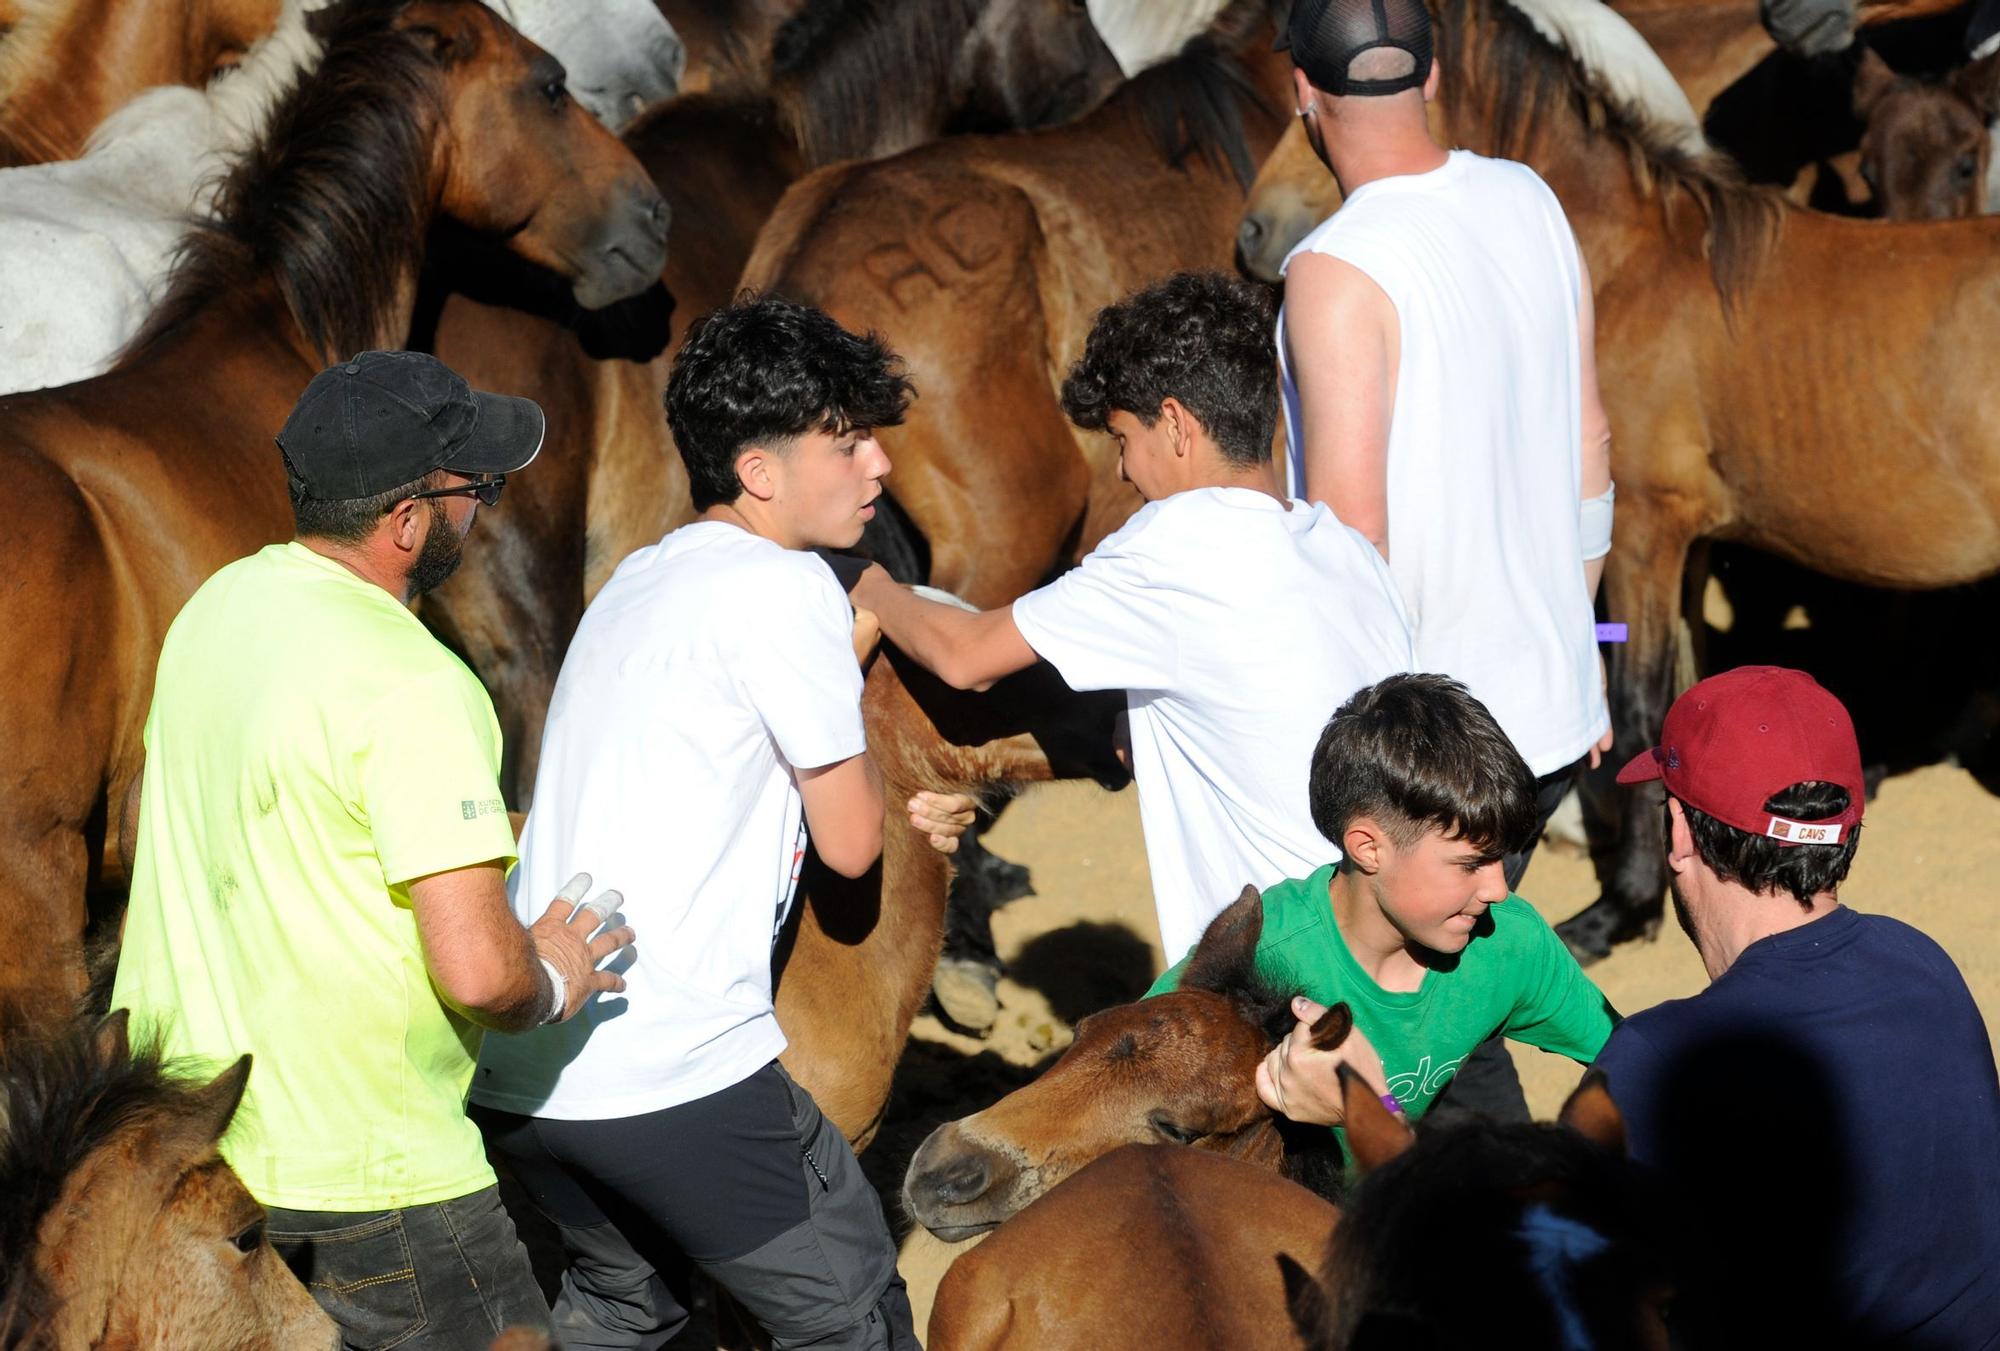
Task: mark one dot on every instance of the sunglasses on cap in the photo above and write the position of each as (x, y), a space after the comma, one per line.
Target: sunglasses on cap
(487, 490)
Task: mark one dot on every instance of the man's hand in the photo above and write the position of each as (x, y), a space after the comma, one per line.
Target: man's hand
(942, 817)
(1603, 746)
(1302, 1083)
(571, 950)
(867, 635)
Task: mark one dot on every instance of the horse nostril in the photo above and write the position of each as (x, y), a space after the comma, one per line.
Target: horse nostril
(1250, 235)
(963, 1181)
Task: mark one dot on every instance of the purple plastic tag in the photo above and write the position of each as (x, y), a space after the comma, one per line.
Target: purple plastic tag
(1610, 633)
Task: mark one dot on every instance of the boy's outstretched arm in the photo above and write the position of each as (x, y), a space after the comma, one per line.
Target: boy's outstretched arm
(967, 649)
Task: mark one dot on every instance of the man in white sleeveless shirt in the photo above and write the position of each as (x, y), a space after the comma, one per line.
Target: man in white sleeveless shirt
(1441, 397)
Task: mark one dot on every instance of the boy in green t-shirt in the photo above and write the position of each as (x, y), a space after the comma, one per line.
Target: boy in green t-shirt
(1415, 930)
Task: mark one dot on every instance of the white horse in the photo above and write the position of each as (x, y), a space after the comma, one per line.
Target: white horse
(1142, 33)
(88, 242)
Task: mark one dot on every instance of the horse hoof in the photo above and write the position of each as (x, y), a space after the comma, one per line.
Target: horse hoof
(967, 994)
(1592, 932)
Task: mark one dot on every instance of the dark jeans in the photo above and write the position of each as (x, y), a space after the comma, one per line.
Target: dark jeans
(1487, 1084)
(445, 1277)
(751, 1185)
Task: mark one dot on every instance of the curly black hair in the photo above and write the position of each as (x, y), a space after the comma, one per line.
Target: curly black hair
(1199, 337)
(762, 371)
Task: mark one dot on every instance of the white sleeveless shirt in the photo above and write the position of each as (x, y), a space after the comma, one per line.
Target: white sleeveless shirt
(1485, 466)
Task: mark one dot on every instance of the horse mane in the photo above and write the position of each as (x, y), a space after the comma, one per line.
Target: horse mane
(1472, 1184)
(837, 67)
(332, 199)
(1192, 104)
(64, 1092)
(1531, 78)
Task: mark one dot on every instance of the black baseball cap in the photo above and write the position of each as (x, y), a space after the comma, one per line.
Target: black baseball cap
(1324, 37)
(382, 419)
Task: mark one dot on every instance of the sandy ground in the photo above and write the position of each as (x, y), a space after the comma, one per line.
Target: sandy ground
(1088, 939)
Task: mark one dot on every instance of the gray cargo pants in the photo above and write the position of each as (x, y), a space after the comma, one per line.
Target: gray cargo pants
(751, 1186)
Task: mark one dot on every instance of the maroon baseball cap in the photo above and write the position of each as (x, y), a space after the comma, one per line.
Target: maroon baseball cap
(1736, 740)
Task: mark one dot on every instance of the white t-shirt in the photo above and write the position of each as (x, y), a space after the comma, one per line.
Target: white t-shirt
(1236, 627)
(711, 667)
(1485, 441)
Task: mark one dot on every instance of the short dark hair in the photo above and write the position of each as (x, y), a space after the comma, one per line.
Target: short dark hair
(347, 520)
(1417, 753)
(1199, 337)
(763, 371)
(1765, 865)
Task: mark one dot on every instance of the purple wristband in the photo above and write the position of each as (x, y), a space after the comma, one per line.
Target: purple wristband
(1389, 1101)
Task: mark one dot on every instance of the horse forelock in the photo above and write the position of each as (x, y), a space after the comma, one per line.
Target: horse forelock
(331, 201)
(850, 76)
(1191, 106)
(64, 1094)
(1525, 77)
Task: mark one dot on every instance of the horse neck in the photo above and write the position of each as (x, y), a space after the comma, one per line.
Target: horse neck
(252, 329)
(1258, 1144)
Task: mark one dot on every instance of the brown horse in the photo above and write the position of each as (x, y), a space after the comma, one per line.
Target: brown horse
(65, 64)
(1447, 1237)
(1927, 148)
(1722, 353)
(1175, 1069)
(122, 1227)
(983, 260)
(1151, 1248)
(131, 488)
(859, 967)
(864, 78)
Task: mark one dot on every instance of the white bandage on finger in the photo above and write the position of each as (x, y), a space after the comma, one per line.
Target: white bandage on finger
(604, 905)
(575, 889)
(1594, 523)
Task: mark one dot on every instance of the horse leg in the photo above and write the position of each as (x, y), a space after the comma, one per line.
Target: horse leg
(1643, 589)
(968, 973)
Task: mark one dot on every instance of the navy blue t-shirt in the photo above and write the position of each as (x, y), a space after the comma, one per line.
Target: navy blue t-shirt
(1828, 1115)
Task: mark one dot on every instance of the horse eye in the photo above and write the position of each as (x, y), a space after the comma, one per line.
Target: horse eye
(1964, 168)
(250, 1239)
(1180, 1135)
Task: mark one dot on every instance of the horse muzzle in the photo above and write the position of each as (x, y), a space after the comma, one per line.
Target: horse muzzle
(957, 1187)
(628, 253)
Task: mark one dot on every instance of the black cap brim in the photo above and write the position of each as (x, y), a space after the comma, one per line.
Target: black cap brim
(506, 434)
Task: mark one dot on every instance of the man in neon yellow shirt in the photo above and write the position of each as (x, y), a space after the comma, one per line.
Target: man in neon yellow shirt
(321, 853)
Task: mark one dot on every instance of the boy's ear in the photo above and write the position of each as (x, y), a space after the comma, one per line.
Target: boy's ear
(1365, 843)
(753, 471)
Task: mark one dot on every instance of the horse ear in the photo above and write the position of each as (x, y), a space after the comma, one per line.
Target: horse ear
(1591, 1113)
(1227, 951)
(1872, 79)
(1374, 1134)
(1332, 1027)
(1978, 83)
(1304, 1300)
(113, 1039)
(211, 1107)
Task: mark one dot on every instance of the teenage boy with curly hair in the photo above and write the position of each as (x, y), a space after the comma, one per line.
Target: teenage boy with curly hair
(1233, 617)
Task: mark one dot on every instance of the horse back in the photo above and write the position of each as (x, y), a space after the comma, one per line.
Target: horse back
(1833, 424)
(1152, 1246)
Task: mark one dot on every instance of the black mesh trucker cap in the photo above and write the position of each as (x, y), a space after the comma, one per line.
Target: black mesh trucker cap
(1324, 37)
(383, 419)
